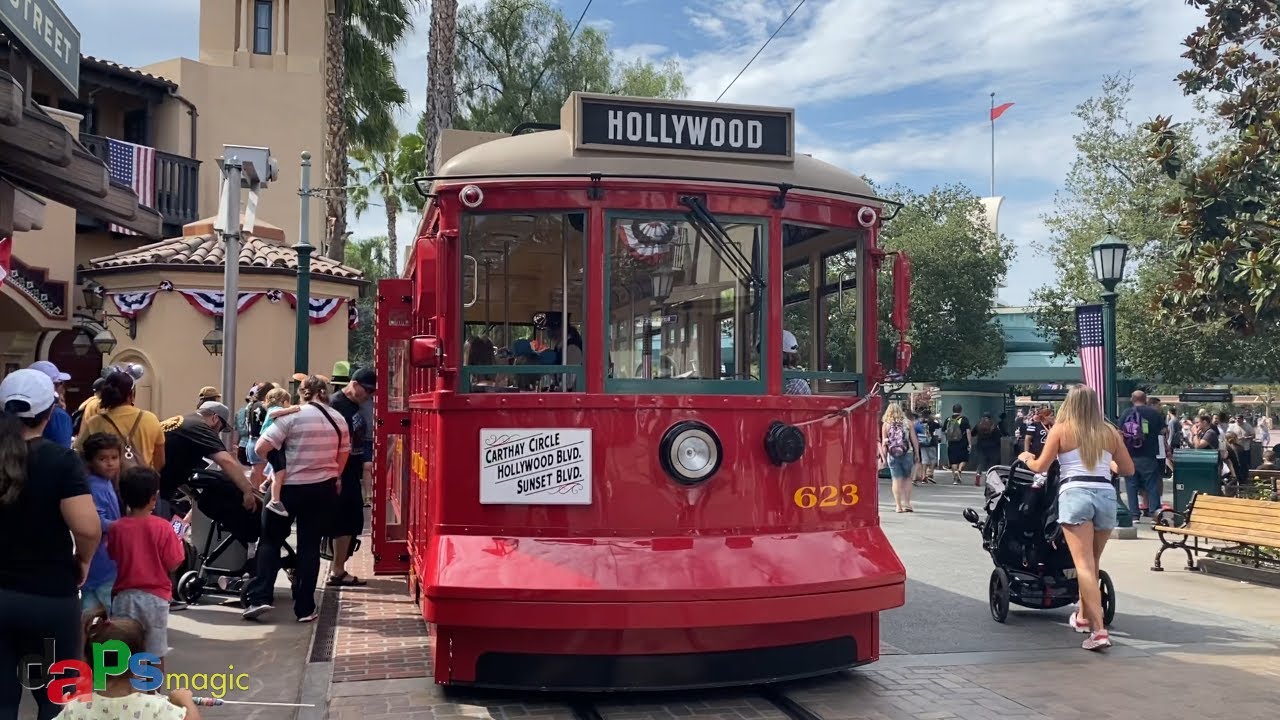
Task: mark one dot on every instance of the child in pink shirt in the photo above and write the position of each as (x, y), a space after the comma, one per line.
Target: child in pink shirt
(145, 549)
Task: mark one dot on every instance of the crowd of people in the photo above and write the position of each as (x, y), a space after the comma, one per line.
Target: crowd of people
(89, 496)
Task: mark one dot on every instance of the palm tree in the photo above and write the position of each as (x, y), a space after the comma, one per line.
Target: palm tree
(387, 174)
(441, 101)
(361, 93)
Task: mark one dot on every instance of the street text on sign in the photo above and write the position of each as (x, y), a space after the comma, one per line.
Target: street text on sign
(540, 466)
(620, 124)
(44, 30)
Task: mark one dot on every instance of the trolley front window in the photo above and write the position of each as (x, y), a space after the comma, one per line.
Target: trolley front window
(685, 304)
(820, 307)
(522, 300)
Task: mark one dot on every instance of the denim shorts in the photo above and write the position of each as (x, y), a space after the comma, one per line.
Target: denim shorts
(1088, 504)
(251, 452)
(92, 598)
(900, 467)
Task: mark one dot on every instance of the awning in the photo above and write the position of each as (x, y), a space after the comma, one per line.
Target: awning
(39, 154)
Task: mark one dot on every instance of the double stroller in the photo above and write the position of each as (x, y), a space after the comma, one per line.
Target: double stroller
(220, 540)
(1033, 567)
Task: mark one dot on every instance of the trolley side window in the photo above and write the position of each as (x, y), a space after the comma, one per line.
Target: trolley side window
(517, 271)
(685, 306)
(821, 308)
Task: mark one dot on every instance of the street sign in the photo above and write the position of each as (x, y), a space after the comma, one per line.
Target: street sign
(1205, 396)
(41, 27)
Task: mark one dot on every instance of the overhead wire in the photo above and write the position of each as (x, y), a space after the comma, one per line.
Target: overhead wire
(762, 47)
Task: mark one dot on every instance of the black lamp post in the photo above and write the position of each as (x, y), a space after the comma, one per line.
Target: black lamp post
(1109, 256)
(213, 340)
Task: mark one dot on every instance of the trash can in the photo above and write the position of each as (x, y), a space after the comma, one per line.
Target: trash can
(1195, 471)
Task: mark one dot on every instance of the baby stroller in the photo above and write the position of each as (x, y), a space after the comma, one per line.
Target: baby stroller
(1034, 568)
(219, 539)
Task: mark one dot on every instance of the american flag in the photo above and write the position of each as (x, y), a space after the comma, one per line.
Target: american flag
(135, 166)
(1089, 327)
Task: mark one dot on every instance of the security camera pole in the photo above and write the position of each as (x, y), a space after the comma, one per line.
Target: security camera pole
(228, 227)
(302, 335)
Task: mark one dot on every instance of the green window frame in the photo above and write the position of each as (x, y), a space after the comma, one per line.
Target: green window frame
(673, 386)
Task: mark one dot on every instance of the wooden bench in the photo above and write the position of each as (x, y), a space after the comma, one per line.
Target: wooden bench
(1248, 525)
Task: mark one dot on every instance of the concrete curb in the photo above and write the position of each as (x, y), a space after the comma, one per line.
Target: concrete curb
(317, 676)
(1125, 533)
(1244, 573)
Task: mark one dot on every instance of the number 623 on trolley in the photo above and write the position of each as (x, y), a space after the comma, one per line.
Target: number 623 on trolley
(825, 496)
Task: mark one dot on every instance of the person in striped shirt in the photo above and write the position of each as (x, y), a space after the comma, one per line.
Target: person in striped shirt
(316, 443)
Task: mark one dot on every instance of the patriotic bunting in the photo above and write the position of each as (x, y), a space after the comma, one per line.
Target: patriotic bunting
(321, 309)
(133, 303)
(212, 302)
(6, 252)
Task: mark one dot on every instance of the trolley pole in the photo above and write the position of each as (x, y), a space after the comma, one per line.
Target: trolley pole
(229, 227)
(302, 332)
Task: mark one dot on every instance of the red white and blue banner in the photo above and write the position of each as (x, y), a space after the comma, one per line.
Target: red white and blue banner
(320, 310)
(131, 304)
(1089, 328)
(213, 302)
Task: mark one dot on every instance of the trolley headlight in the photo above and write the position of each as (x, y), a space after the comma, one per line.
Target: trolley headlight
(690, 452)
(867, 217)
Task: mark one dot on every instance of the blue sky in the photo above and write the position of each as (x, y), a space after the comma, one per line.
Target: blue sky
(896, 90)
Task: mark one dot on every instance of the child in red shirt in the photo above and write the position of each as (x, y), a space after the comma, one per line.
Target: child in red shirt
(145, 549)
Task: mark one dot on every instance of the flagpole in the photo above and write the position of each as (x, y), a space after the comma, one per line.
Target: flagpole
(992, 115)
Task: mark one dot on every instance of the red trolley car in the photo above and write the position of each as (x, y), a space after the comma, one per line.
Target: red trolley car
(628, 436)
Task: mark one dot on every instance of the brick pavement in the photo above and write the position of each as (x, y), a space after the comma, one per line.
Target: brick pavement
(380, 631)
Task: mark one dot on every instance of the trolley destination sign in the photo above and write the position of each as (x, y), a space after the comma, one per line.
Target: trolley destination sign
(548, 466)
(708, 129)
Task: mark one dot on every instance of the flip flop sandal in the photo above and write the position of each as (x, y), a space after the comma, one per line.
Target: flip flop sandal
(346, 580)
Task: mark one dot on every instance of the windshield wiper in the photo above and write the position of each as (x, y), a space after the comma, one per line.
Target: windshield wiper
(723, 245)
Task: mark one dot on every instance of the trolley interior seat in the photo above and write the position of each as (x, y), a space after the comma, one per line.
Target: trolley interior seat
(603, 583)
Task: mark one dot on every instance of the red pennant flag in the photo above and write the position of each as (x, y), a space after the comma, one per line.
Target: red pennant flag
(6, 249)
(998, 110)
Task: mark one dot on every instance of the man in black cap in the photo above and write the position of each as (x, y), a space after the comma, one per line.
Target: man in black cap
(349, 516)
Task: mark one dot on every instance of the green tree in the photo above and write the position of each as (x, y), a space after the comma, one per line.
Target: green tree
(1114, 187)
(957, 265)
(1226, 228)
(388, 175)
(361, 93)
(518, 60)
(368, 255)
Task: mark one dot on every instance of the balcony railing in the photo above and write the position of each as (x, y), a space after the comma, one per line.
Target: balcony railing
(177, 184)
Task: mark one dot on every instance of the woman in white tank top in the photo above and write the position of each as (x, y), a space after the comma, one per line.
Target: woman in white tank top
(1088, 449)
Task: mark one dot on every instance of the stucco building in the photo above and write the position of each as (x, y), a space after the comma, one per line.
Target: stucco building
(157, 132)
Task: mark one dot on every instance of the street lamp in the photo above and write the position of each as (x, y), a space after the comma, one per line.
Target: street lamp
(81, 345)
(1109, 256)
(104, 342)
(213, 340)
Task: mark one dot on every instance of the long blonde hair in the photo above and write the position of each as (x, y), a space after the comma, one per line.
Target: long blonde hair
(894, 413)
(1093, 434)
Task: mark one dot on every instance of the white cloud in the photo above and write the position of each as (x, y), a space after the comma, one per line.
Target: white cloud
(648, 52)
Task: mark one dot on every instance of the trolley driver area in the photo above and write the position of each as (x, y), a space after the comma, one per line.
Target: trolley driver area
(639, 418)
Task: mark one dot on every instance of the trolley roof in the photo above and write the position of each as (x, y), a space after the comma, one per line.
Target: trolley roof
(627, 137)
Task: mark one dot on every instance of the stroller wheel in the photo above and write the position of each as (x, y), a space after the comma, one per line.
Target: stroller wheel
(190, 587)
(999, 592)
(1108, 597)
(244, 594)
(293, 577)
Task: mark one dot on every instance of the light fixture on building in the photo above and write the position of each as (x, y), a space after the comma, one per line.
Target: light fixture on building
(94, 296)
(94, 302)
(662, 280)
(104, 342)
(213, 341)
(1109, 256)
(81, 345)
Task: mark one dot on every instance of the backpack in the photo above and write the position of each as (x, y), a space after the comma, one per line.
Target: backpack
(922, 434)
(129, 458)
(1131, 428)
(897, 439)
(955, 429)
(256, 415)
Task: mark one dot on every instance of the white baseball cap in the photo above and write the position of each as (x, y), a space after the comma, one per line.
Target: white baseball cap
(48, 368)
(31, 387)
(789, 344)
